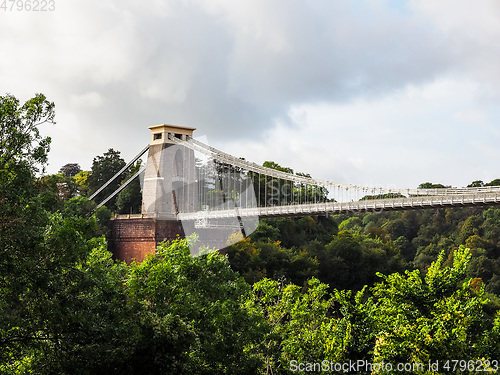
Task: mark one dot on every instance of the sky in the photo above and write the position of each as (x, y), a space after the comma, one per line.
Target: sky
(388, 93)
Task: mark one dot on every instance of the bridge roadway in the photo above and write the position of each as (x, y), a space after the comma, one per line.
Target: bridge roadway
(415, 198)
(327, 208)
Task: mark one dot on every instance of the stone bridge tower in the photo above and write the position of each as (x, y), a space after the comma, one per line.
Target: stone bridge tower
(169, 188)
(170, 177)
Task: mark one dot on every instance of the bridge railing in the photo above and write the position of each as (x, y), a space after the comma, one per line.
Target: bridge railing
(327, 208)
(338, 190)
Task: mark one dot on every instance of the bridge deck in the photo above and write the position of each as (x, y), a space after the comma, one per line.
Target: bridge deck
(375, 205)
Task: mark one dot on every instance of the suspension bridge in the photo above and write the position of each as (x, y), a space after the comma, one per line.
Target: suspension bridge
(189, 186)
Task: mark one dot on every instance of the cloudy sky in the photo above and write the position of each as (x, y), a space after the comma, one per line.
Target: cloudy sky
(378, 92)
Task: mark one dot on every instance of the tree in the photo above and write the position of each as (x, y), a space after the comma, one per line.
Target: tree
(22, 217)
(265, 232)
(470, 227)
(70, 169)
(103, 168)
(129, 200)
(192, 315)
(70, 311)
(477, 183)
(82, 182)
(495, 182)
(439, 316)
(428, 185)
(58, 288)
(20, 139)
(55, 189)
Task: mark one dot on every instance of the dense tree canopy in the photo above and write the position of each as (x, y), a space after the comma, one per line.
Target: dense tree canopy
(407, 319)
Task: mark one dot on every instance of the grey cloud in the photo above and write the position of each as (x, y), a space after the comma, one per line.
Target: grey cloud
(232, 69)
(203, 68)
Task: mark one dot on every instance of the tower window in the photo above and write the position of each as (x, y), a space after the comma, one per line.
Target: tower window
(157, 136)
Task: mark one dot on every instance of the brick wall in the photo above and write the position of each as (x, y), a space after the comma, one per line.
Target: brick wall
(133, 238)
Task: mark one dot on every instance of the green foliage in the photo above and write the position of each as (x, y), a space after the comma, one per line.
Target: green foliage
(469, 228)
(495, 182)
(53, 310)
(70, 169)
(409, 319)
(192, 314)
(311, 247)
(265, 232)
(22, 217)
(310, 326)
(273, 165)
(82, 316)
(64, 307)
(78, 206)
(81, 180)
(296, 320)
(20, 139)
(51, 307)
(129, 200)
(390, 242)
(55, 189)
(81, 207)
(477, 183)
(262, 256)
(103, 169)
(382, 196)
(433, 318)
(429, 185)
